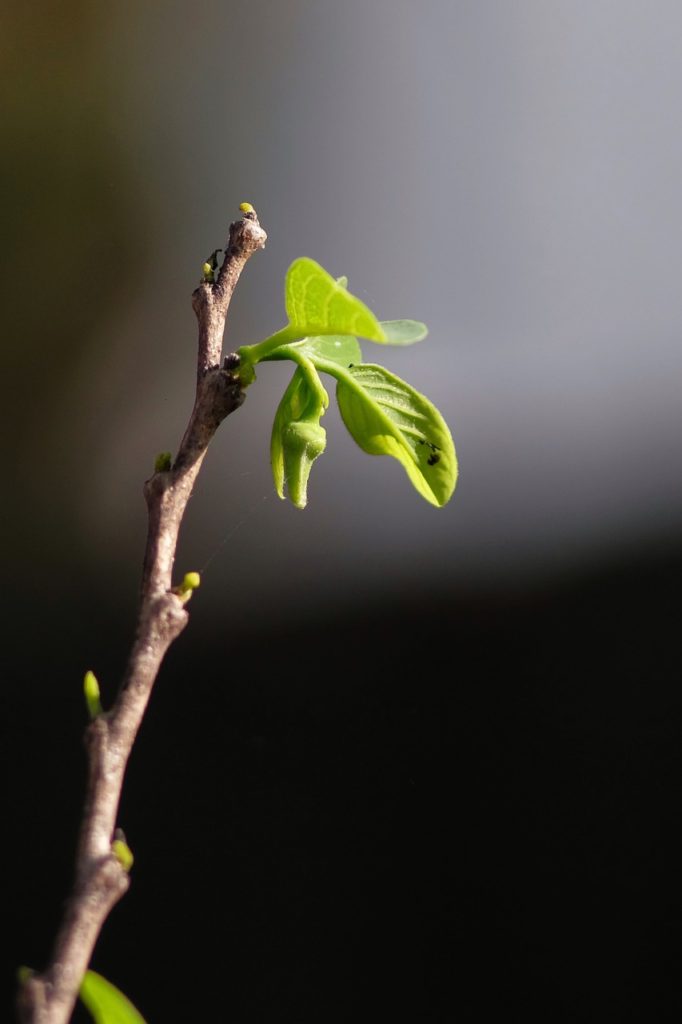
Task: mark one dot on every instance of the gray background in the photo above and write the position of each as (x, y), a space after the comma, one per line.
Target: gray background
(507, 172)
(402, 758)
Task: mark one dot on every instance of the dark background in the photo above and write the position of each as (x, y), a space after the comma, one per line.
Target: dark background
(403, 761)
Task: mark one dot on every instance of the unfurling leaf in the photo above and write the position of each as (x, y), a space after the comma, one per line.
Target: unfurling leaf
(303, 442)
(106, 1004)
(386, 416)
(297, 438)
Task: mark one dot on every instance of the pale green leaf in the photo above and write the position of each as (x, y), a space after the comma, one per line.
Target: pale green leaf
(386, 416)
(337, 348)
(106, 1004)
(317, 304)
(403, 332)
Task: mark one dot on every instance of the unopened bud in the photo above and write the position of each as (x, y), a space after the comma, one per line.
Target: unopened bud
(123, 854)
(191, 581)
(303, 441)
(92, 697)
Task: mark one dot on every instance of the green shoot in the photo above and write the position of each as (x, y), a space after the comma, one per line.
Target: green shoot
(91, 693)
(383, 414)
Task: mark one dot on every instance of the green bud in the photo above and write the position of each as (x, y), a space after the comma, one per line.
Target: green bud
(91, 691)
(246, 208)
(24, 974)
(189, 584)
(208, 275)
(123, 854)
(191, 581)
(303, 441)
(164, 461)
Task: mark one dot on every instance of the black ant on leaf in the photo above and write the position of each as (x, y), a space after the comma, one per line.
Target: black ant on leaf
(433, 457)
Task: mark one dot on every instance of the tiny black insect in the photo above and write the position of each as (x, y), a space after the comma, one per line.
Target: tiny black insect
(433, 459)
(431, 445)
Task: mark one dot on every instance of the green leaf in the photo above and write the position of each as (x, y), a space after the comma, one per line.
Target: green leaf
(317, 304)
(297, 437)
(386, 416)
(106, 1004)
(336, 348)
(403, 332)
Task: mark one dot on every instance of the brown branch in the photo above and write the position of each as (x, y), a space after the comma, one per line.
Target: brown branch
(100, 879)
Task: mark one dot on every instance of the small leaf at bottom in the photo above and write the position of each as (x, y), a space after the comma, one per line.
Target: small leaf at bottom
(106, 1004)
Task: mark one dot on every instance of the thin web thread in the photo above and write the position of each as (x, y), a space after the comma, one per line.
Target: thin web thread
(248, 515)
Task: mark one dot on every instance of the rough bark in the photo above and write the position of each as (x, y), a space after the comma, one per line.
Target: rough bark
(100, 878)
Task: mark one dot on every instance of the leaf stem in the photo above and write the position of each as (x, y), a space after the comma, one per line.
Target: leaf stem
(253, 354)
(309, 368)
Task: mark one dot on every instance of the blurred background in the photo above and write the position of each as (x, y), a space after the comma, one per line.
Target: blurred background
(403, 760)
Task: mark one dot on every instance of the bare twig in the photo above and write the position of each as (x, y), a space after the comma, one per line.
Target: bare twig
(101, 879)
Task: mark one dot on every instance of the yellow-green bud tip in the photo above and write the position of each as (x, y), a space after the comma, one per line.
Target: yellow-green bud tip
(24, 974)
(123, 854)
(191, 581)
(91, 691)
(246, 208)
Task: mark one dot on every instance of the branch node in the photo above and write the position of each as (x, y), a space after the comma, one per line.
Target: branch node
(165, 618)
(201, 297)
